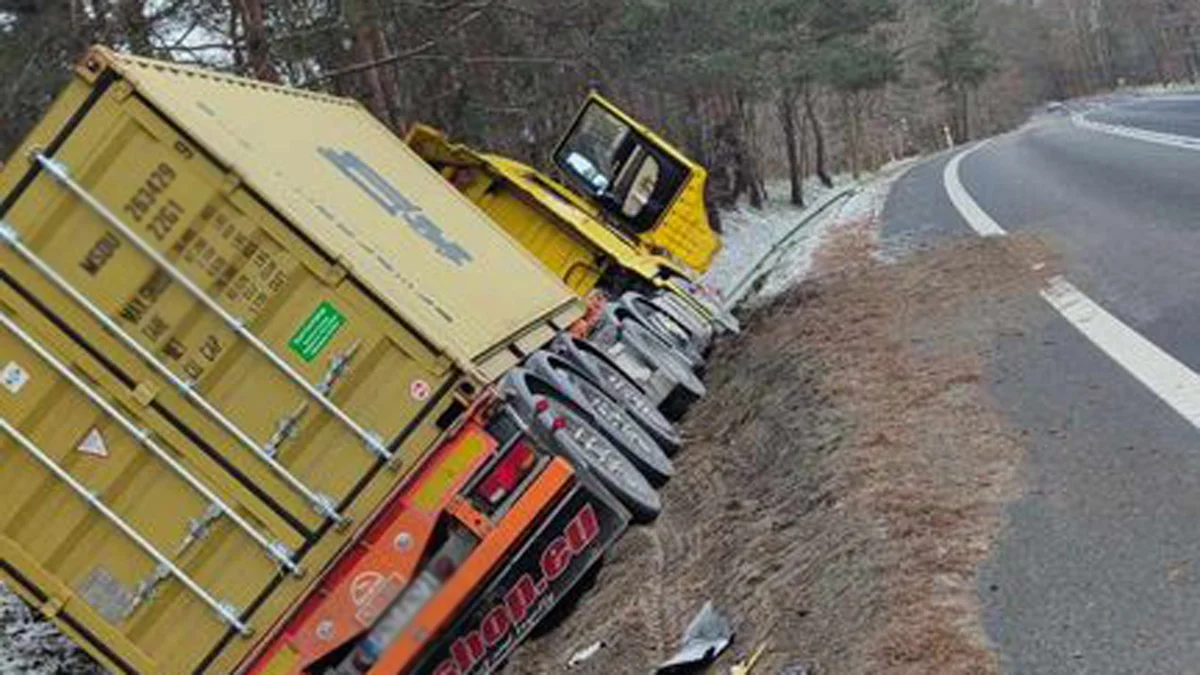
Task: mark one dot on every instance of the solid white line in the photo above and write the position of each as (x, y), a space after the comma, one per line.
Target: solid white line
(1174, 383)
(1157, 137)
(976, 217)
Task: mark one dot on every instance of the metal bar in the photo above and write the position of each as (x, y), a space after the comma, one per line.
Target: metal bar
(227, 613)
(760, 268)
(60, 172)
(323, 504)
(273, 549)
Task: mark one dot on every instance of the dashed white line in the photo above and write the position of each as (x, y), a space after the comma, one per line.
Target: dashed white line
(1171, 381)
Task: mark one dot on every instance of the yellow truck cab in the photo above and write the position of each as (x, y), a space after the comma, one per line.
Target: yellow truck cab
(635, 220)
(628, 176)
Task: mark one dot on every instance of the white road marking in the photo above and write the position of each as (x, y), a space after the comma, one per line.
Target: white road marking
(976, 217)
(1173, 140)
(1170, 380)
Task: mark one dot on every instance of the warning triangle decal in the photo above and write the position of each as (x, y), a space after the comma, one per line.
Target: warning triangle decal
(93, 444)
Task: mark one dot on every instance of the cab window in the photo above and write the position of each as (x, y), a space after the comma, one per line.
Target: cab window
(624, 173)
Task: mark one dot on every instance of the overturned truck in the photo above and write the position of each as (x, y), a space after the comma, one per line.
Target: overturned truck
(275, 397)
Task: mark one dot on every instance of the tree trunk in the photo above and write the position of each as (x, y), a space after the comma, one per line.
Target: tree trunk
(239, 61)
(818, 138)
(787, 115)
(367, 48)
(860, 144)
(964, 114)
(258, 48)
(131, 15)
(851, 132)
(805, 160)
(693, 125)
(748, 177)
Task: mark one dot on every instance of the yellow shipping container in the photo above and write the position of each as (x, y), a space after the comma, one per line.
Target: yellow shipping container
(232, 318)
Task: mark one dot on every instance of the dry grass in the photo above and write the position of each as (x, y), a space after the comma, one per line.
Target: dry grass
(843, 480)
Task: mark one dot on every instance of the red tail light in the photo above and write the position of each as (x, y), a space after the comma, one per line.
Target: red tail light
(507, 474)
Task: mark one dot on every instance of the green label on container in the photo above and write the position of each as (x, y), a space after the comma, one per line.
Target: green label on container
(316, 333)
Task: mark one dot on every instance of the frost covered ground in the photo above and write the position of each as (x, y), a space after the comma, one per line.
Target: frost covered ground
(751, 234)
(30, 646)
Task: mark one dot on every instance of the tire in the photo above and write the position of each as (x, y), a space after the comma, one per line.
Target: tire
(688, 388)
(576, 439)
(717, 317)
(678, 308)
(606, 414)
(620, 386)
(682, 331)
(636, 307)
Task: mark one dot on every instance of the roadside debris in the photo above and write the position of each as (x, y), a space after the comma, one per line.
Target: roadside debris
(709, 634)
(586, 653)
(746, 666)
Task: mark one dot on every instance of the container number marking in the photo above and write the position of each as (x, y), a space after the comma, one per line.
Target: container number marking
(317, 332)
(14, 377)
(147, 194)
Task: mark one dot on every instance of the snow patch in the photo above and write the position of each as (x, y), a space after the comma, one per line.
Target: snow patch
(30, 645)
(751, 234)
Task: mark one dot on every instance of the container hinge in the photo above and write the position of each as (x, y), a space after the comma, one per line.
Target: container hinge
(326, 507)
(282, 552)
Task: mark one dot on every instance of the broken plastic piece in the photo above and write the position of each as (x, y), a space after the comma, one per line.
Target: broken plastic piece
(744, 667)
(586, 653)
(709, 634)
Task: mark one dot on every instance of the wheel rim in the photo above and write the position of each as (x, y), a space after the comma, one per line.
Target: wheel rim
(628, 393)
(673, 363)
(644, 446)
(681, 312)
(601, 455)
(667, 324)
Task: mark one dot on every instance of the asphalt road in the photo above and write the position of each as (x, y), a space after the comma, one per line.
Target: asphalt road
(1098, 568)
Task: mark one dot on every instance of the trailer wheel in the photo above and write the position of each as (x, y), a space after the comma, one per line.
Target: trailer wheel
(573, 436)
(700, 326)
(618, 314)
(622, 387)
(677, 333)
(606, 414)
(688, 388)
(587, 445)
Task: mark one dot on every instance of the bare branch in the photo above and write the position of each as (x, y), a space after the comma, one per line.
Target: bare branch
(408, 53)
